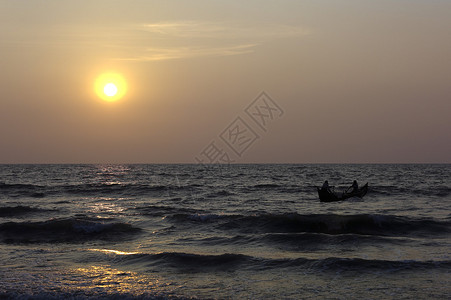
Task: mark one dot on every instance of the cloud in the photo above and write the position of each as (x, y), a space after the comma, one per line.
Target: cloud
(195, 39)
(191, 29)
(158, 41)
(154, 54)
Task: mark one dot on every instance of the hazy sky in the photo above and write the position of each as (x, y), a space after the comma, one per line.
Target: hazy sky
(350, 81)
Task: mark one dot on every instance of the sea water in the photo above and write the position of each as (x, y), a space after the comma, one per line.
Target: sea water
(224, 231)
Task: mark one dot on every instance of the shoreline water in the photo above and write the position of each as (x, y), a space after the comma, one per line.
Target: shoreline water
(250, 231)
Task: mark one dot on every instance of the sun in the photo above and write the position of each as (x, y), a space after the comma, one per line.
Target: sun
(110, 86)
(110, 89)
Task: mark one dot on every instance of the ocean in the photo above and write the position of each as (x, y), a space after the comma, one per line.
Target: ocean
(253, 231)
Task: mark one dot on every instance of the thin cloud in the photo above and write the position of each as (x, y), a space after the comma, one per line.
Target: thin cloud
(196, 39)
(159, 41)
(191, 29)
(155, 54)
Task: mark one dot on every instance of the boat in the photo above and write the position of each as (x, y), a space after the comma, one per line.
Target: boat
(328, 195)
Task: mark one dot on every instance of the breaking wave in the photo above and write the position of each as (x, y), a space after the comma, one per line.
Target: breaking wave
(74, 229)
(363, 224)
(228, 261)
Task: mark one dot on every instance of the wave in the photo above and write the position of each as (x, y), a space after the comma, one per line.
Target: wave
(163, 211)
(359, 264)
(104, 188)
(202, 217)
(231, 261)
(74, 229)
(109, 188)
(220, 193)
(281, 188)
(439, 191)
(11, 211)
(362, 224)
(56, 293)
(189, 262)
(267, 186)
(296, 241)
(139, 189)
(12, 186)
(320, 240)
(22, 190)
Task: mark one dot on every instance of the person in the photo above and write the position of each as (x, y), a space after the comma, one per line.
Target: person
(355, 187)
(325, 186)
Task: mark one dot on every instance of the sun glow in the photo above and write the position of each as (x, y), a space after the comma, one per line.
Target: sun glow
(110, 86)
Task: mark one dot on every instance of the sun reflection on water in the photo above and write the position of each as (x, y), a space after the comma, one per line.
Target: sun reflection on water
(117, 252)
(102, 207)
(109, 281)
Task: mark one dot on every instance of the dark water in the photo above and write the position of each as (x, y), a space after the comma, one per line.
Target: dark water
(240, 231)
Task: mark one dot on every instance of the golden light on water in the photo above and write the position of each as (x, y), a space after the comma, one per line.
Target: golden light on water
(117, 252)
(109, 281)
(110, 86)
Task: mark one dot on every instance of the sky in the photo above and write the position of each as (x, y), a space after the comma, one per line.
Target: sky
(226, 81)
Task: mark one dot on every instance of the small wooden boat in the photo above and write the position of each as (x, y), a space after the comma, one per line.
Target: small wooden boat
(327, 195)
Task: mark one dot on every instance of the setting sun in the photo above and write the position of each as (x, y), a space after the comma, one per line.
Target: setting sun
(110, 87)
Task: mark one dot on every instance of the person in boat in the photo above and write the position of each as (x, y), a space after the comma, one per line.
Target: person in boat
(325, 186)
(355, 187)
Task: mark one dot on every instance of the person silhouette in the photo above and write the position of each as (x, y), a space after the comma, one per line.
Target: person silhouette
(355, 186)
(325, 186)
